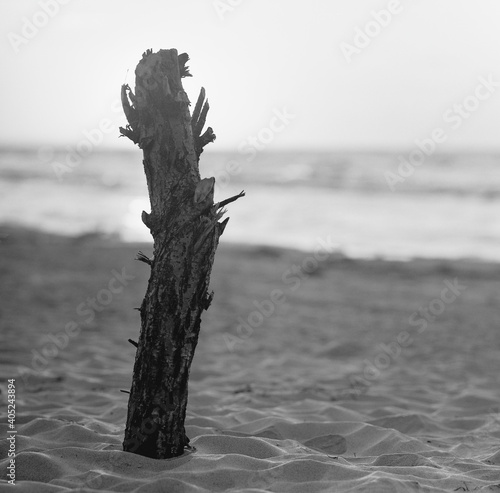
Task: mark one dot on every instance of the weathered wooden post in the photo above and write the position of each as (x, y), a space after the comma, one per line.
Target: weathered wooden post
(184, 223)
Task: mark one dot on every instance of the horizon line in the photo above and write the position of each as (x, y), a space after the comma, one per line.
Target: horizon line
(280, 150)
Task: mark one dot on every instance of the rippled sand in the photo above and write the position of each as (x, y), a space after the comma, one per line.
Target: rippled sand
(304, 401)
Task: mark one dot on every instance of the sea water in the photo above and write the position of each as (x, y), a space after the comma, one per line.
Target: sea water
(448, 207)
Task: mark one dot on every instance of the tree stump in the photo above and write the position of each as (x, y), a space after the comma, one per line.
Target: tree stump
(185, 225)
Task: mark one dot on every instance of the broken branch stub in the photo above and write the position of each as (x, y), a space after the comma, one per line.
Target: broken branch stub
(184, 223)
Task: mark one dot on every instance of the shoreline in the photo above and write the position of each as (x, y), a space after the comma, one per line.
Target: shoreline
(106, 240)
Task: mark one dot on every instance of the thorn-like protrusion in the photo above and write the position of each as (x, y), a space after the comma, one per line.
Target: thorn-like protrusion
(146, 219)
(207, 137)
(198, 122)
(201, 121)
(229, 200)
(124, 391)
(197, 111)
(128, 109)
(143, 258)
(133, 343)
(222, 226)
(183, 58)
(201, 141)
(129, 132)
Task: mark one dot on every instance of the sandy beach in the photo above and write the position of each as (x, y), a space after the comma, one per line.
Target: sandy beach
(313, 372)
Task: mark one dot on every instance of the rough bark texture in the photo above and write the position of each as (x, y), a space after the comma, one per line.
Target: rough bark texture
(184, 223)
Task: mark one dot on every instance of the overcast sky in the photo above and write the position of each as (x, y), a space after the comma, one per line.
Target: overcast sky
(347, 76)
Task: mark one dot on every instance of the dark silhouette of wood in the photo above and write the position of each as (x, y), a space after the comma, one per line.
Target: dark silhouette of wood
(184, 223)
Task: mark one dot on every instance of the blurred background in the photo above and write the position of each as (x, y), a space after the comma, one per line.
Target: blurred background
(373, 123)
